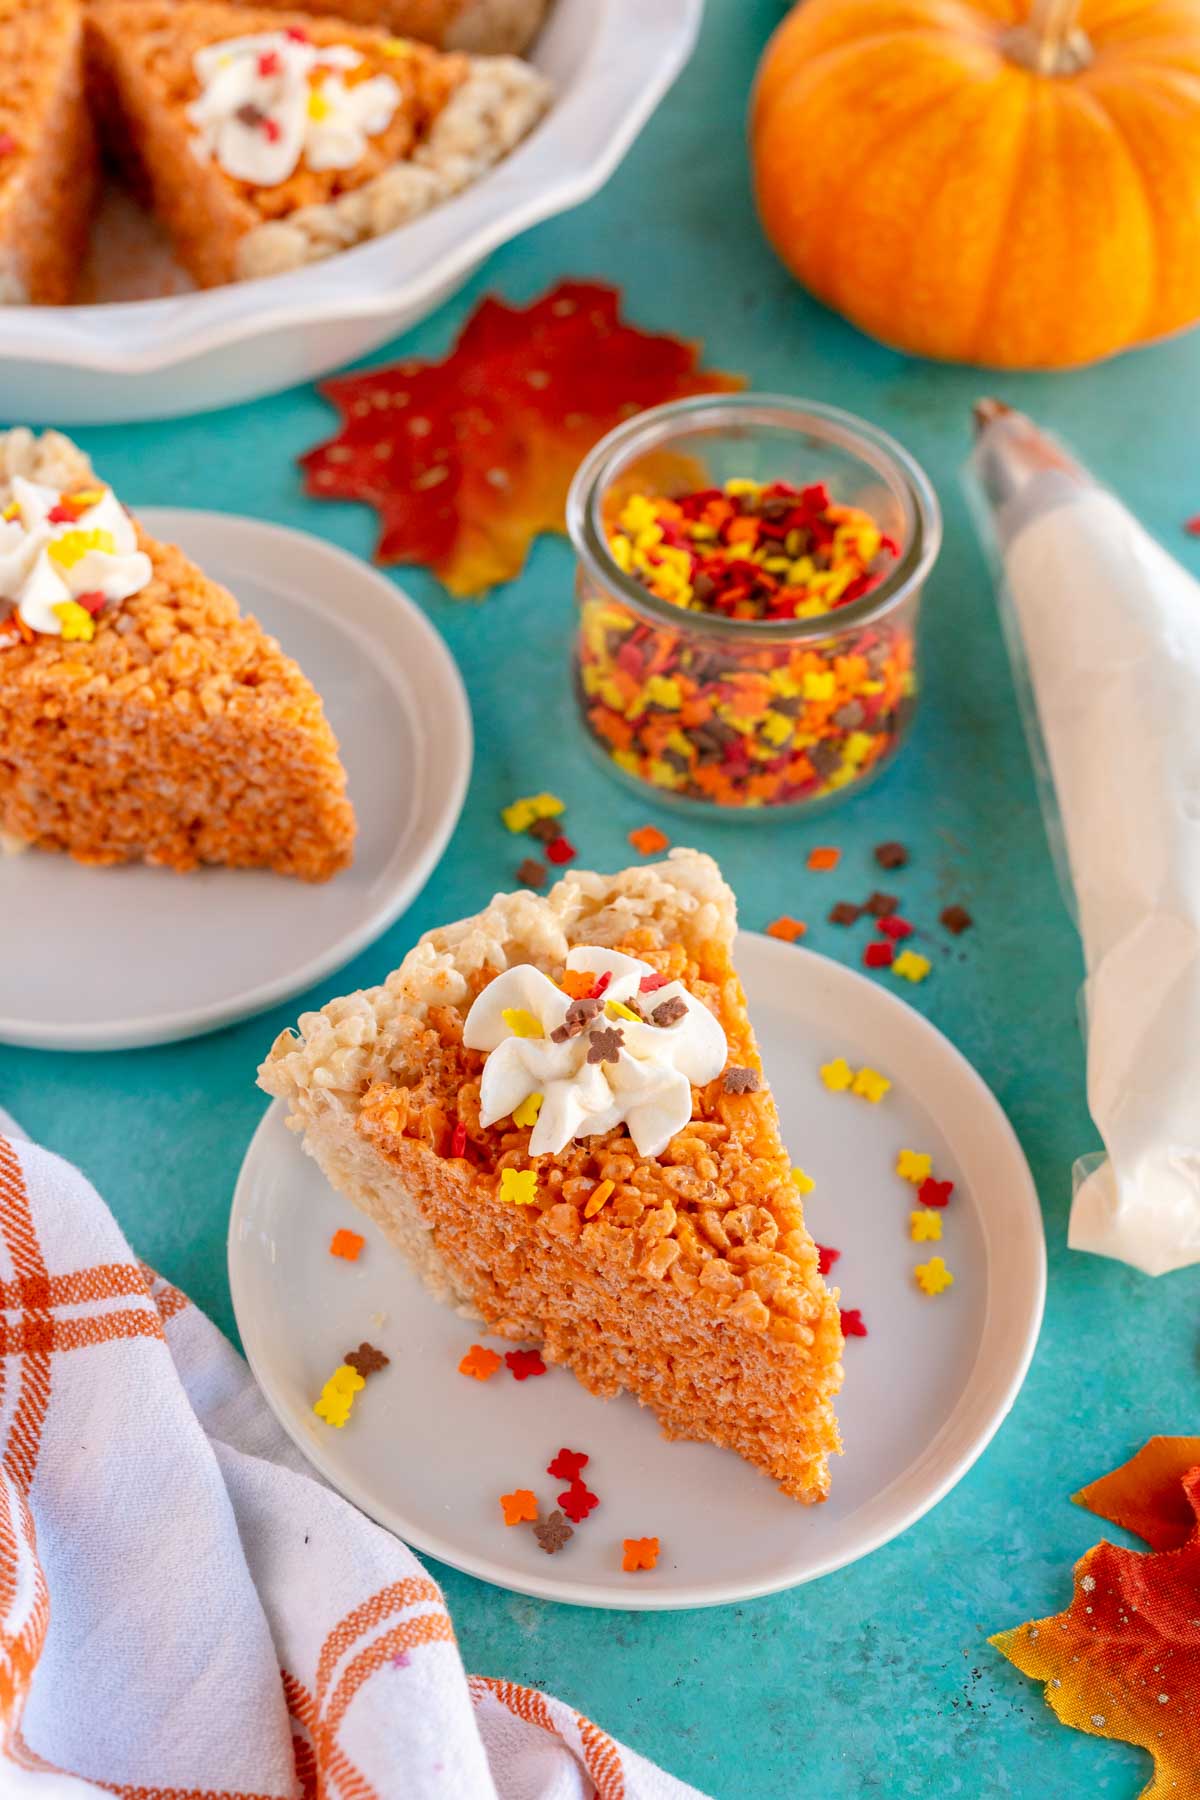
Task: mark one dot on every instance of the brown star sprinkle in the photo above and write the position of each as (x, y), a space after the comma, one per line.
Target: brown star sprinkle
(742, 1081)
(891, 856)
(367, 1360)
(605, 1045)
(531, 873)
(844, 913)
(669, 1012)
(545, 829)
(957, 919)
(880, 906)
(552, 1533)
(579, 1016)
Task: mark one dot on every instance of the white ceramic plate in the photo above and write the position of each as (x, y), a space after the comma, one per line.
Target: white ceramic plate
(183, 954)
(428, 1451)
(610, 62)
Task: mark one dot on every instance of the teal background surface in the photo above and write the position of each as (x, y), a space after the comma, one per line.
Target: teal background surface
(877, 1680)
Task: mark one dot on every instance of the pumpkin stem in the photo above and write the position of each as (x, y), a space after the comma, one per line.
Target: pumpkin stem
(1050, 42)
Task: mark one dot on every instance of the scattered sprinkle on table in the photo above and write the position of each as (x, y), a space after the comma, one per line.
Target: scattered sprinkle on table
(519, 1507)
(479, 1363)
(367, 1360)
(518, 1187)
(870, 1085)
(524, 1363)
(337, 1396)
(891, 856)
(639, 1553)
(881, 905)
(822, 859)
(560, 850)
(544, 830)
(346, 1244)
(531, 873)
(911, 966)
(577, 1501)
(956, 919)
(878, 955)
(649, 840)
(837, 1075)
(1192, 525)
(804, 1184)
(935, 1193)
(893, 926)
(845, 913)
(826, 1257)
(925, 1227)
(786, 928)
(852, 1322)
(552, 1533)
(522, 814)
(914, 1165)
(568, 1465)
(933, 1277)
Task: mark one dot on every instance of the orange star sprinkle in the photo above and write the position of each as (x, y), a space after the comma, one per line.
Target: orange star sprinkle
(346, 1244)
(519, 1508)
(787, 929)
(823, 859)
(640, 1553)
(578, 983)
(480, 1363)
(649, 839)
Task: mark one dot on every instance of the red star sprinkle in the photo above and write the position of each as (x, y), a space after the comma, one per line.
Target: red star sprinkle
(852, 1322)
(560, 850)
(1191, 526)
(567, 1464)
(934, 1193)
(524, 1363)
(826, 1258)
(601, 983)
(893, 926)
(878, 956)
(458, 1139)
(8, 143)
(650, 984)
(578, 1502)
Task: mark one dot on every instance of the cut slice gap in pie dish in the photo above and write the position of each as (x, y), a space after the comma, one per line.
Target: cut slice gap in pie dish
(265, 140)
(145, 718)
(556, 1110)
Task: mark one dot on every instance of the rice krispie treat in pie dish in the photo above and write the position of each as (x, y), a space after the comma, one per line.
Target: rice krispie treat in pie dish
(48, 165)
(264, 141)
(556, 1110)
(142, 716)
(490, 27)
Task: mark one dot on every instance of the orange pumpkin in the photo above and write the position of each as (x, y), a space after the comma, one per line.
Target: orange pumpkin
(987, 181)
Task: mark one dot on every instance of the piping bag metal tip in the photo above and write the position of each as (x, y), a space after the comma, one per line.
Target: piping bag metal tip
(1011, 451)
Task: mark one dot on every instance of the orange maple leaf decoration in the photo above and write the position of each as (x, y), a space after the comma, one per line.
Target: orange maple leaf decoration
(1123, 1660)
(468, 459)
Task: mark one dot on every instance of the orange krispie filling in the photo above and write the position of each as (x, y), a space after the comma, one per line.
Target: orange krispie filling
(144, 80)
(694, 1283)
(48, 170)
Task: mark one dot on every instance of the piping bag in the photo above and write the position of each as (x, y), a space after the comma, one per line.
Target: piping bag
(1103, 630)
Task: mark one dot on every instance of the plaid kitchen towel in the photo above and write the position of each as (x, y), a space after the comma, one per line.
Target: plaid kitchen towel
(186, 1612)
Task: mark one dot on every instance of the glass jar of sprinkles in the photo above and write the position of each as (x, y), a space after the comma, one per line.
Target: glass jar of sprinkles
(750, 570)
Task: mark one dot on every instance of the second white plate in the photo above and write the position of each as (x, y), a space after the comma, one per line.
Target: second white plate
(428, 1451)
(186, 953)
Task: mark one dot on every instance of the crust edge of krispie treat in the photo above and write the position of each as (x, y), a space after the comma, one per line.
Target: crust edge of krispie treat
(51, 672)
(325, 1067)
(47, 191)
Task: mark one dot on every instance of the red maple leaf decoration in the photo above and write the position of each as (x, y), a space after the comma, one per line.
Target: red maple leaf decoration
(826, 1257)
(567, 1464)
(577, 1502)
(467, 459)
(852, 1322)
(524, 1363)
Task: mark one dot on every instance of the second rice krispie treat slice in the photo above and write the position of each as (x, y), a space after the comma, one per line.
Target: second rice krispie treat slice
(48, 169)
(557, 1110)
(266, 140)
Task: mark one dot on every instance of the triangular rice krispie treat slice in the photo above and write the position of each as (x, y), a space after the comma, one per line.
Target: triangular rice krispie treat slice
(556, 1110)
(266, 140)
(142, 716)
(48, 163)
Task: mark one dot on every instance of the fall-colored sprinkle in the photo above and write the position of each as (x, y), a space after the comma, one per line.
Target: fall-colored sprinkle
(520, 1507)
(826, 1257)
(878, 955)
(337, 1396)
(649, 840)
(520, 815)
(597, 1197)
(346, 1244)
(933, 1277)
(845, 913)
(891, 856)
(956, 919)
(911, 966)
(578, 1501)
(578, 983)
(639, 1553)
(367, 1360)
(526, 1114)
(553, 1533)
(523, 1364)
(560, 850)
(568, 1465)
(837, 1075)
(804, 1184)
(852, 1322)
(823, 859)
(479, 1363)
(914, 1165)
(871, 1085)
(786, 928)
(894, 927)
(925, 1227)
(880, 905)
(518, 1187)
(935, 1193)
(531, 873)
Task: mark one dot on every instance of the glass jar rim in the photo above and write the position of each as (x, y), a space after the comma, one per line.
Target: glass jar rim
(650, 429)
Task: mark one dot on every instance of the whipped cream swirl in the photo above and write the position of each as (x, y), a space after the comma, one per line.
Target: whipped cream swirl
(592, 1065)
(269, 100)
(65, 556)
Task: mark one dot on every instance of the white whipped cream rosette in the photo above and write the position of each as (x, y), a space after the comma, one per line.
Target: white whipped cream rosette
(271, 100)
(48, 562)
(647, 1085)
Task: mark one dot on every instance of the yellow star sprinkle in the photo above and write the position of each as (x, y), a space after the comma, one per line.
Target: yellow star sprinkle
(925, 1225)
(804, 1183)
(933, 1277)
(318, 106)
(819, 686)
(837, 1075)
(78, 625)
(527, 1112)
(522, 813)
(73, 546)
(397, 47)
(616, 1009)
(871, 1085)
(519, 1186)
(521, 1023)
(910, 966)
(337, 1396)
(914, 1166)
